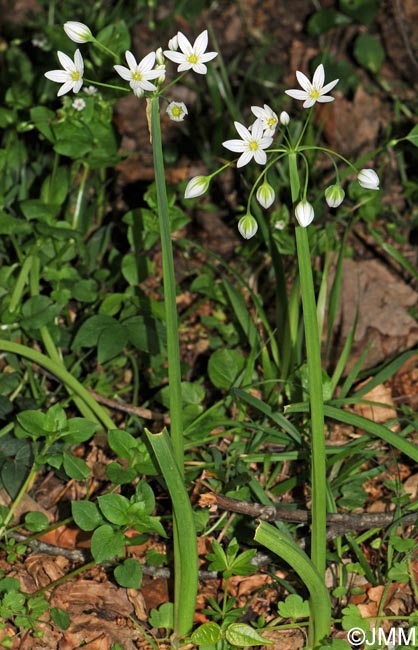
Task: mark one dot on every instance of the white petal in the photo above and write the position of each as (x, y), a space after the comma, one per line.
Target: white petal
(303, 81)
(200, 68)
(79, 63)
(147, 62)
(257, 129)
(184, 66)
(184, 43)
(329, 86)
(265, 141)
(208, 56)
(296, 94)
(130, 60)
(65, 88)
(258, 112)
(319, 77)
(201, 43)
(325, 98)
(244, 159)
(177, 57)
(66, 62)
(309, 102)
(125, 73)
(151, 74)
(235, 145)
(77, 85)
(242, 131)
(146, 85)
(60, 76)
(260, 156)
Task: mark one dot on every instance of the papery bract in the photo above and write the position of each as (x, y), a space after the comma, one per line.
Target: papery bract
(196, 186)
(247, 226)
(334, 195)
(71, 77)
(304, 213)
(314, 91)
(192, 57)
(368, 179)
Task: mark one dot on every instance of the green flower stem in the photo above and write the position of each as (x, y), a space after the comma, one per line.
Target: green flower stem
(319, 603)
(80, 195)
(16, 501)
(62, 374)
(313, 352)
(104, 49)
(173, 348)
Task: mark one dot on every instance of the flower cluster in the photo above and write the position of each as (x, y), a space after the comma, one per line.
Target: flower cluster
(140, 75)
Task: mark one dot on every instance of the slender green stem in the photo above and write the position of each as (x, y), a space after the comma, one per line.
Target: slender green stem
(16, 502)
(80, 195)
(313, 352)
(173, 348)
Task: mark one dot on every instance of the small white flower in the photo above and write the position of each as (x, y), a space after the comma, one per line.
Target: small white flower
(138, 74)
(314, 91)
(304, 213)
(191, 56)
(78, 32)
(284, 118)
(268, 118)
(71, 77)
(173, 43)
(247, 226)
(251, 145)
(177, 111)
(196, 186)
(79, 104)
(90, 90)
(265, 195)
(368, 179)
(40, 41)
(280, 224)
(334, 195)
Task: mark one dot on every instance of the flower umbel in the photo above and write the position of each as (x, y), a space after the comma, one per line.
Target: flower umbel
(368, 179)
(177, 111)
(314, 91)
(71, 77)
(78, 32)
(247, 226)
(138, 74)
(304, 213)
(251, 145)
(191, 56)
(268, 117)
(334, 195)
(196, 186)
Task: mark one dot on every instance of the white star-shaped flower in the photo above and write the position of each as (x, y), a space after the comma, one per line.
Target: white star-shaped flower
(268, 118)
(177, 111)
(71, 77)
(252, 144)
(191, 56)
(314, 91)
(139, 74)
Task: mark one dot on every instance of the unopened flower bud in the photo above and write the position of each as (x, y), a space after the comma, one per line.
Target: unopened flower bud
(159, 56)
(161, 78)
(197, 186)
(265, 195)
(284, 118)
(304, 213)
(173, 43)
(78, 32)
(334, 195)
(368, 179)
(247, 226)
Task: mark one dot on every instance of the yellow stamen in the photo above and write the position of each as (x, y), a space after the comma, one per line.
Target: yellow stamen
(192, 59)
(75, 76)
(315, 94)
(137, 76)
(253, 145)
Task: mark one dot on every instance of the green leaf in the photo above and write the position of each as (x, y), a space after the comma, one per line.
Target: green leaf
(146, 334)
(75, 467)
(79, 430)
(399, 572)
(55, 187)
(369, 52)
(107, 543)
(112, 341)
(325, 19)
(38, 311)
(36, 521)
(115, 508)
(294, 607)
(12, 226)
(89, 332)
(353, 618)
(224, 367)
(364, 11)
(163, 617)
(86, 515)
(129, 574)
(60, 618)
(242, 635)
(412, 137)
(42, 118)
(122, 443)
(206, 634)
(120, 475)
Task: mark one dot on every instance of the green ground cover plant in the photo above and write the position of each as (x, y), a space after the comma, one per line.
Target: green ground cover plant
(76, 321)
